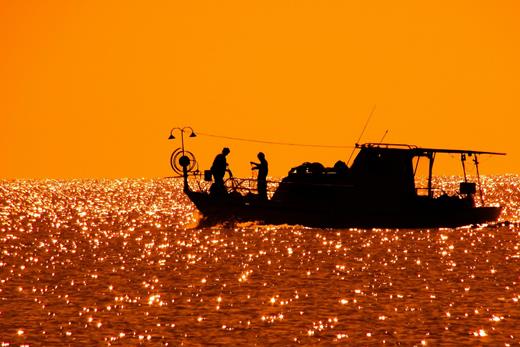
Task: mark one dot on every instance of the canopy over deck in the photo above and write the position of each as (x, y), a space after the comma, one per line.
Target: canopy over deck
(423, 151)
(394, 161)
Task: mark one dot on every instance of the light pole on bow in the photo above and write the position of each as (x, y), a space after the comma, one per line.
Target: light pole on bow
(184, 161)
(182, 130)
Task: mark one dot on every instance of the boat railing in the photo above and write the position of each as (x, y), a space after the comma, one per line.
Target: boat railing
(249, 185)
(233, 184)
(437, 192)
(385, 145)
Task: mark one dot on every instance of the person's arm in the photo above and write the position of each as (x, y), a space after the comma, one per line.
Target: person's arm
(228, 170)
(256, 166)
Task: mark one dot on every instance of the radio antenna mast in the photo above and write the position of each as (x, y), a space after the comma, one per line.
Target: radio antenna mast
(384, 135)
(362, 133)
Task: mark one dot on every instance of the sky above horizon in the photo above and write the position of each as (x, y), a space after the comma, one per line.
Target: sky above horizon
(91, 89)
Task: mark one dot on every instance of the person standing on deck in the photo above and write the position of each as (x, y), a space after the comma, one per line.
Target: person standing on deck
(262, 168)
(218, 170)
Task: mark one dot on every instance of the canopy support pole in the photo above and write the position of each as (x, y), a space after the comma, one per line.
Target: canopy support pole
(431, 156)
(475, 160)
(463, 160)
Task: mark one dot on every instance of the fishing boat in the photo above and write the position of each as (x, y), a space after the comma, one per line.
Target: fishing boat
(377, 191)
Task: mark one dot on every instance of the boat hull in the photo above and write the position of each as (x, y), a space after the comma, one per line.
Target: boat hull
(413, 215)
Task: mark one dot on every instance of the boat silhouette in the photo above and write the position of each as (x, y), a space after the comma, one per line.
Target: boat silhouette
(377, 191)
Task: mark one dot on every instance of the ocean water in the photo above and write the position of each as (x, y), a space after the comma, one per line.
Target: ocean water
(122, 262)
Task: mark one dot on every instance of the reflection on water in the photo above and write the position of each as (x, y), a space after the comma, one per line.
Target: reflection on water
(120, 262)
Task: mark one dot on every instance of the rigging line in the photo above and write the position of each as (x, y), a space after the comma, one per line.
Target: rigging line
(271, 142)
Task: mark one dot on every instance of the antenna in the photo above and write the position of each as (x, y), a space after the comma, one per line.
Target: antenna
(384, 135)
(362, 132)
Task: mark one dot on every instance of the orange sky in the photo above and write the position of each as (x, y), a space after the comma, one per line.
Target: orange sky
(92, 88)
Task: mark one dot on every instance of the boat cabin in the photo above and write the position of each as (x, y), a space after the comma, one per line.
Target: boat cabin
(380, 173)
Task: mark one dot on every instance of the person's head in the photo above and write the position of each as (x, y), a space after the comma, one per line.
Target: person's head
(261, 155)
(225, 151)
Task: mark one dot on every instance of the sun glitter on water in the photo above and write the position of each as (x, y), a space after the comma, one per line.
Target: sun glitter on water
(121, 262)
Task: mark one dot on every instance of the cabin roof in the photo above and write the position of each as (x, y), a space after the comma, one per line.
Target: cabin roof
(420, 151)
